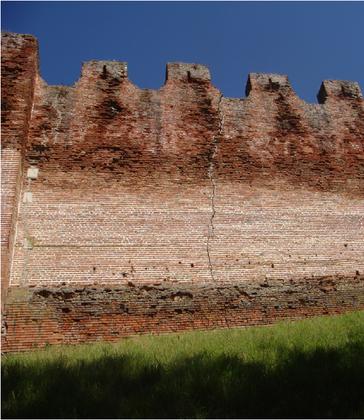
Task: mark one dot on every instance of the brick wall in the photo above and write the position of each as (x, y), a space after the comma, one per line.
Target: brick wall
(19, 65)
(177, 208)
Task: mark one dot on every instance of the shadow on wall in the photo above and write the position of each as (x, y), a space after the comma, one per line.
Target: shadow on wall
(317, 384)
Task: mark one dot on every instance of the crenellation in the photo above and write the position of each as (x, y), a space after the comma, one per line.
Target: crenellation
(105, 70)
(265, 82)
(339, 89)
(187, 72)
(129, 210)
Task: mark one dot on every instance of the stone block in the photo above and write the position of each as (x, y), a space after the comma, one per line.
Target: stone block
(32, 173)
(27, 197)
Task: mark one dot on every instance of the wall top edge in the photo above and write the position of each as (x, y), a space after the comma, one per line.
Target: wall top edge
(179, 72)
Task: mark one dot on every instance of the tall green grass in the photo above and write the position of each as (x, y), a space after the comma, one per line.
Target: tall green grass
(312, 368)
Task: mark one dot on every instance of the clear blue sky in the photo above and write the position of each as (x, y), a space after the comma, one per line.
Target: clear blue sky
(309, 41)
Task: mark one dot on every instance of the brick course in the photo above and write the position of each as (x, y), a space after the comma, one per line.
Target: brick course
(170, 209)
(19, 66)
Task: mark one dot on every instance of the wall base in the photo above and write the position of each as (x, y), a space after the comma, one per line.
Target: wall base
(35, 317)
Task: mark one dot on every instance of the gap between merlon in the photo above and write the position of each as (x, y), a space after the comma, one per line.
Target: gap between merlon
(210, 172)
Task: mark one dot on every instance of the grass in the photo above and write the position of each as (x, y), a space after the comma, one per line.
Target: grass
(306, 369)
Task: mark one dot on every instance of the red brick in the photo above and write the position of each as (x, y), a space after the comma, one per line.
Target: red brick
(171, 209)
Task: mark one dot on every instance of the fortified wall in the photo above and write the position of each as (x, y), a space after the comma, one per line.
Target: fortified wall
(129, 210)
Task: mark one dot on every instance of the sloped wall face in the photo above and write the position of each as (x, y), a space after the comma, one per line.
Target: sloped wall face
(155, 211)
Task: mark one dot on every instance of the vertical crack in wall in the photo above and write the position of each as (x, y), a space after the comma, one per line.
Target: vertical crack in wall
(210, 172)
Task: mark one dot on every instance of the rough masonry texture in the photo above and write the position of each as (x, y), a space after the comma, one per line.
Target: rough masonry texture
(129, 210)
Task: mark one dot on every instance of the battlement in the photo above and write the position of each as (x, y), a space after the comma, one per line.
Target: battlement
(129, 210)
(176, 127)
(339, 89)
(187, 72)
(14, 41)
(104, 70)
(268, 83)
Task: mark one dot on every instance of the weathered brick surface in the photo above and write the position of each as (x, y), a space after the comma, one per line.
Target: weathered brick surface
(19, 65)
(177, 208)
(71, 315)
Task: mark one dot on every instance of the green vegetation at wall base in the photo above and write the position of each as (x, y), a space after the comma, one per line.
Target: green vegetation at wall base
(306, 369)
